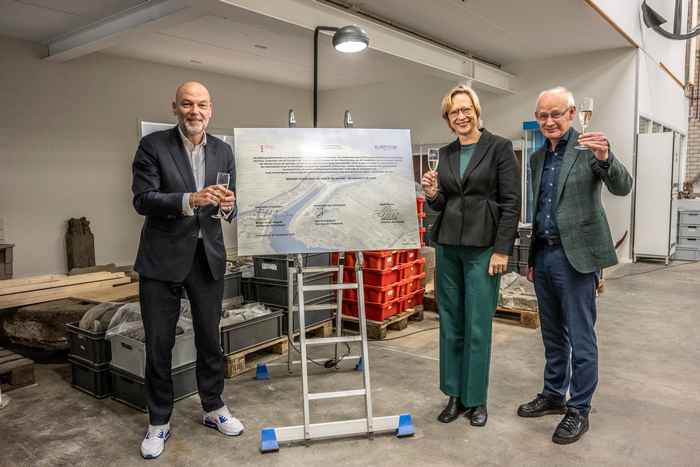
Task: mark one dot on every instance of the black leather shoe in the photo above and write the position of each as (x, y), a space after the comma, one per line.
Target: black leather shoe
(451, 411)
(542, 405)
(571, 427)
(478, 416)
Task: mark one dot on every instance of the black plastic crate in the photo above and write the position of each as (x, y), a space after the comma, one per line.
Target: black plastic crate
(252, 332)
(92, 379)
(131, 390)
(88, 345)
(311, 317)
(275, 267)
(274, 292)
(232, 284)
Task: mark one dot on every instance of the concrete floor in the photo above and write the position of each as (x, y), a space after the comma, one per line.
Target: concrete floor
(646, 410)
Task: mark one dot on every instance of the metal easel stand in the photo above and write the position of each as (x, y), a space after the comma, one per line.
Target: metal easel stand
(401, 425)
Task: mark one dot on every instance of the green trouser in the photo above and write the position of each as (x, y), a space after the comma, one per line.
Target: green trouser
(467, 299)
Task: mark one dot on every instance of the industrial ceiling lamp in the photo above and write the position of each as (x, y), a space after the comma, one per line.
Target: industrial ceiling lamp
(348, 39)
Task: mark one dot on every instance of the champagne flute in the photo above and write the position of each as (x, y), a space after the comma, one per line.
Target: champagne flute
(433, 159)
(222, 179)
(585, 114)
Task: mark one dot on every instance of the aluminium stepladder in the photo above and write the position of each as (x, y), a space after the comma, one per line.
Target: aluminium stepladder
(402, 424)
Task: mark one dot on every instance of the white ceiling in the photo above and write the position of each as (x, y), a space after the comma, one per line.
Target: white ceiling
(43, 20)
(224, 40)
(502, 31)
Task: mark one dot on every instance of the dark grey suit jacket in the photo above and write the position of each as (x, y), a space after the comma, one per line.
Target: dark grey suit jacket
(482, 207)
(162, 173)
(583, 225)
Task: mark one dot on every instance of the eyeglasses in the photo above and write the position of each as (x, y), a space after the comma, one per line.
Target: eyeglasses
(555, 114)
(468, 112)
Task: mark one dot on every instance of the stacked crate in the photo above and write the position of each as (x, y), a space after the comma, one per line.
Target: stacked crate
(89, 355)
(270, 282)
(688, 248)
(392, 283)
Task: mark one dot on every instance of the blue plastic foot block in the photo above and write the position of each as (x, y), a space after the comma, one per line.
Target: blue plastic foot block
(261, 371)
(268, 440)
(360, 366)
(405, 426)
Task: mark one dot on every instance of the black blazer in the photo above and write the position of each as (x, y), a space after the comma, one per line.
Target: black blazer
(162, 174)
(482, 208)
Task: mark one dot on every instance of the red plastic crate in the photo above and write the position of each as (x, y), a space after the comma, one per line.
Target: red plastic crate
(415, 299)
(412, 269)
(373, 311)
(375, 277)
(385, 259)
(408, 256)
(349, 259)
(375, 294)
(412, 284)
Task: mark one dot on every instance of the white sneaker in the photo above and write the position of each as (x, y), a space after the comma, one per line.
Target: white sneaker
(154, 442)
(222, 420)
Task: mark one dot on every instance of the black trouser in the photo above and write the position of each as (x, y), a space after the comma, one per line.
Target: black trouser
(160, 310)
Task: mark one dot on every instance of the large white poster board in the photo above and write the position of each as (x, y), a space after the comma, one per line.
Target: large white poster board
(303, 190)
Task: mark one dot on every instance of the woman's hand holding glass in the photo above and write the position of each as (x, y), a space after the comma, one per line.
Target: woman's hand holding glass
(429, 184)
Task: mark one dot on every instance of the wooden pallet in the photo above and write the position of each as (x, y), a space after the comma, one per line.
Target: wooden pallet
(377, 330)
(247, 359)
(15, 370)
(525, 318)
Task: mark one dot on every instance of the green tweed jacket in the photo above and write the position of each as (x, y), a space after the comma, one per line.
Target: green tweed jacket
(583, 225)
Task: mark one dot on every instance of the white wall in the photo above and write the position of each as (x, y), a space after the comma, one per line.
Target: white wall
(608, 76)
(627, 15)
(413, 103)
(69, 133)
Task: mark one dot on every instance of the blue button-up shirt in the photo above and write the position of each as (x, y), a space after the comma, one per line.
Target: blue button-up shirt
(546, 220)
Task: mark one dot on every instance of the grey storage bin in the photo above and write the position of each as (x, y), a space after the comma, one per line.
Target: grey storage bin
(251, 332)
(274, 292)
(129, 355)
(689, 241)
(687, 254)
(275, 267)
(688, 217)
(88, 345)
(92, 379)
(689, 231)
(131, 390)
(232, 284)
(311, 317)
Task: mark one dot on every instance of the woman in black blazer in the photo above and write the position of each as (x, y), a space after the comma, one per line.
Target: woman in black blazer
(476, 190)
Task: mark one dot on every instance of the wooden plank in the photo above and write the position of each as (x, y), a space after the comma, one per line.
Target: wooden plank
(5, 353)
(110, 294)
(10, 358)
(6, 283)
(72, 280)
(16, 374)
(58, 293)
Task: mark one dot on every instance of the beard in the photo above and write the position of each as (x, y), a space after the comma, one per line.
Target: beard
(194, 128)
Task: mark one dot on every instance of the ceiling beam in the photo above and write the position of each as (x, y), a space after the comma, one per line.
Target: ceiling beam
(309, 14)
(148, 17)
